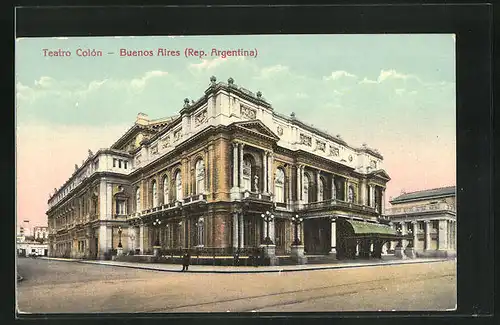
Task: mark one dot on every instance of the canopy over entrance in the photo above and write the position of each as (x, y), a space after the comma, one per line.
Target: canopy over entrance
(362, 229)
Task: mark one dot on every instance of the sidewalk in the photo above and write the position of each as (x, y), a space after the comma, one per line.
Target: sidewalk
(248, 269)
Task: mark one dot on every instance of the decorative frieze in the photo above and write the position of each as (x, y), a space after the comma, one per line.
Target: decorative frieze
(200, 118)
(154, 150)
(247, 112)
(320, 145)
(305, 140)
(166, 142)
(334, 151)
(177, 134)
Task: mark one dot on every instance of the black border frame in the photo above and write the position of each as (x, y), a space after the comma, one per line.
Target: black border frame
(472, 24)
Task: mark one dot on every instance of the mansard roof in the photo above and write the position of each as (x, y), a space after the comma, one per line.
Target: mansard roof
(440, 192)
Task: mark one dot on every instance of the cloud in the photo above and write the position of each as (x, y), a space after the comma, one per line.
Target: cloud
(45, 82)
(367, 81)
(207, 64)
(272, 71)
(386, 75)
(139, 83)
(335, 75)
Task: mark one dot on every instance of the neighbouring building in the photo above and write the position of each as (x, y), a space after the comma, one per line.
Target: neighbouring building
(203, 178)
(40, 233)
(430, 217)
(26, 246)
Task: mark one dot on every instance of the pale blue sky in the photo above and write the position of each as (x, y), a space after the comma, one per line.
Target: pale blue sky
(394, 92)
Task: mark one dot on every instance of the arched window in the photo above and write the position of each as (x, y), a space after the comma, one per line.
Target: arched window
(200, 177)
(155, 194)
(137, 200)
(305, 186)
(178, 186)
(321, 188)
(247, 174)
(351, 196)
(166, 191)
(279, 186)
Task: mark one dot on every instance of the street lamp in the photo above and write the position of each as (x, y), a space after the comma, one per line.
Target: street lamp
(120, 237)
(410, 232)
(157, 224)
(296, 220)
(268, 217)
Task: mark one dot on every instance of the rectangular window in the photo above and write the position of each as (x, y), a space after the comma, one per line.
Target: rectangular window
(125, 164)
(114, 162)
(120, 207)
(120, 163)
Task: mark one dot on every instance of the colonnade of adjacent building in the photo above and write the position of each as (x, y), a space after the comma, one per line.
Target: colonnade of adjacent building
(445, 230)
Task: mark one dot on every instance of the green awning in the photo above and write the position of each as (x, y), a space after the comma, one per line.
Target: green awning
(370, 228)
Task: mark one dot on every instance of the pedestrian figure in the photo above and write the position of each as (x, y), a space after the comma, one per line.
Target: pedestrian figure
(186, 259)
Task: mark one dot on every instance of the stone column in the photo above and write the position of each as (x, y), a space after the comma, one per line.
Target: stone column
(383, 202)
(333, 195)
(270, 172)
(302, 173)
(241, 229)
(235, 230)
(318, 180)
(404, 231)
(372, 196)
(272, 232)
(346, 190)
(235, 165)
(141, 238)
(265, 176)
(288, 185)
(415, 238)
(427, 241)
(442, 235)
(299, 187)
(130, 242)
(240, 173)
(333, 244)
(363, 192)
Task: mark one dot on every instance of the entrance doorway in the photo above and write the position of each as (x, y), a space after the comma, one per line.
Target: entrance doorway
(317, 236)
(279, 234)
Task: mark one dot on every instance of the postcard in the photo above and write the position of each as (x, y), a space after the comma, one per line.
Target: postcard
(245, 173)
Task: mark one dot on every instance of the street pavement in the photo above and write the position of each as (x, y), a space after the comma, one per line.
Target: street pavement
(52, 286)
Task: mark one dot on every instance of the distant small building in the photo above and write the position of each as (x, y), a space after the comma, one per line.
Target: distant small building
(27, 245)
(430, 216)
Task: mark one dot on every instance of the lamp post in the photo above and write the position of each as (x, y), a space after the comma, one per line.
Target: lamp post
(296, 220)
(157, 224)
(267, 217)
(120, 237)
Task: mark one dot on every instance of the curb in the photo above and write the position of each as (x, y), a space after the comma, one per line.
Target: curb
(318, 268)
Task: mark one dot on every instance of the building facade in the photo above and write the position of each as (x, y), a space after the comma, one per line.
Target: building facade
(204, 178)
(40, 233)
(430, 217)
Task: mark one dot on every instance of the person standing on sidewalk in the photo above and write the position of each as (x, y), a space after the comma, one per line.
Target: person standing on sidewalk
(186, 259)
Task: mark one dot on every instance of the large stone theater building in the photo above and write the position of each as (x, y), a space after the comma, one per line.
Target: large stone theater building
(204, 178)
